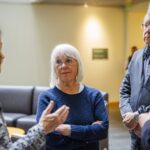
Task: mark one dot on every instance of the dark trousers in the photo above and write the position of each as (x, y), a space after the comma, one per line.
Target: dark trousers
(135, 142)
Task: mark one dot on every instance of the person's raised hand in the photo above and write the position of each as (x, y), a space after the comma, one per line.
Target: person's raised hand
(49, 121)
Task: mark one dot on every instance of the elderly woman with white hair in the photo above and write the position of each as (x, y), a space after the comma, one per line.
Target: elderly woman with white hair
(87, 122)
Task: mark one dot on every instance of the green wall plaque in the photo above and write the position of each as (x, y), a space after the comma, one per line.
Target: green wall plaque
(100, 53)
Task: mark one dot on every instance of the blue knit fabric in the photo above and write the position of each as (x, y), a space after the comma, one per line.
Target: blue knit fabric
(86, 107)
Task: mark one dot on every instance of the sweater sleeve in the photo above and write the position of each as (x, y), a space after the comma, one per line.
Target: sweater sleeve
(89, 133)
(143, 109)
(34, 139)
(5, 141)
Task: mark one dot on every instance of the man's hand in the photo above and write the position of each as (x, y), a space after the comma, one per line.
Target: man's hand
(64, 129)
(129, 120)
(50, 121)
(143, 118)
(137, 130)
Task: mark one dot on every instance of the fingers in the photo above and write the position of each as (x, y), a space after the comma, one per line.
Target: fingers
(62, 110)
(126, 119)
(97, 122)
(65, 115)
(59, 127)
(59, 115)
(123, 116)
(48, 108)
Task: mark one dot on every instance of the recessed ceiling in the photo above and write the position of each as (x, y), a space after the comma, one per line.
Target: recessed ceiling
(119, 3)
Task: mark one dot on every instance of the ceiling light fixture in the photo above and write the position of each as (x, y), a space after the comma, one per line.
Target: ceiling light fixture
(85, 5)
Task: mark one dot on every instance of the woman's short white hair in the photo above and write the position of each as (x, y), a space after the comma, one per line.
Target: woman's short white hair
(67, 50)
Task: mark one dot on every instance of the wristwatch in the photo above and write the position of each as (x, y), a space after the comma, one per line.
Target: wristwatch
(136, 116)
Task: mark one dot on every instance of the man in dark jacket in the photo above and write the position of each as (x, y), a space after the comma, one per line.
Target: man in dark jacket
(135, 88)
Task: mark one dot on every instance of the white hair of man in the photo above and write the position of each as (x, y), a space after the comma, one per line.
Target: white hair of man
(148, 10)
(68, 50)
(147, 15)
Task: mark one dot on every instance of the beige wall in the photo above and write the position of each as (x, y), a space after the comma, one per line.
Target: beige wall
(104, 74)
(31, 31)
(135, 16)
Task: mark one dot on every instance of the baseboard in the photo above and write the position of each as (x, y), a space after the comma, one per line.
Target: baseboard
(114, 105)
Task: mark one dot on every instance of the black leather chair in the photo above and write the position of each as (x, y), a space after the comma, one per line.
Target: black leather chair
(27, 122)
(16, 102)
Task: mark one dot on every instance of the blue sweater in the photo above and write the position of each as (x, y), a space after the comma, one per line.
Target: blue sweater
(86, 107)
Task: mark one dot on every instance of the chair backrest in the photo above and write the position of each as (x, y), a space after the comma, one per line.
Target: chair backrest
(104, 143)
(105, 95)
(16, 99)
(36, 93)
(106, 98)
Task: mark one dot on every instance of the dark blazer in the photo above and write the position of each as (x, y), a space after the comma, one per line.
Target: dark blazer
(134, 91)
(145, 136)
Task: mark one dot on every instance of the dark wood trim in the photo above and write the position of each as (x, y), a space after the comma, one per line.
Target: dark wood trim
(114, 105)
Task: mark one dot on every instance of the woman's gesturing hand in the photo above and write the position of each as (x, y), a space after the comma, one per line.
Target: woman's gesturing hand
(49, 121)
